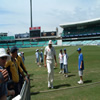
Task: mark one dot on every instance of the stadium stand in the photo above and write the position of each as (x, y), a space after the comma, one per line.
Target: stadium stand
(81, 33)
(5, 38)
(78, 33)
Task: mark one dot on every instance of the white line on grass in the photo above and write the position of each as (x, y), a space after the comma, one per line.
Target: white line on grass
(45, 91)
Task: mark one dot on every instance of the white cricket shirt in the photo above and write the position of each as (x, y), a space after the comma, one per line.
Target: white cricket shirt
(49, 52)
(61, 57)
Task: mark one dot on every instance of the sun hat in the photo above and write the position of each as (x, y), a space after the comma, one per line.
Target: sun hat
(3, 54)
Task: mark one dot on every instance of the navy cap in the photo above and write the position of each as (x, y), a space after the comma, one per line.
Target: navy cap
(79, 49)
(13, 49)
(64, 49)
(60, 49)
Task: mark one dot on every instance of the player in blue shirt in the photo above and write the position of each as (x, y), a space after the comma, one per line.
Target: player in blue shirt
(80, 65)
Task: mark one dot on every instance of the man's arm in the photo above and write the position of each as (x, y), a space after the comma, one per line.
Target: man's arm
(55, 60)
(81, 61)
(45, 61)
(81, 65)
(21, 71)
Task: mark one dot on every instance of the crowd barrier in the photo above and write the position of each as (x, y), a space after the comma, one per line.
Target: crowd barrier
(24, 94)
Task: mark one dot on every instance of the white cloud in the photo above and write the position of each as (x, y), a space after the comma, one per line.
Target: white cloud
(15, 14)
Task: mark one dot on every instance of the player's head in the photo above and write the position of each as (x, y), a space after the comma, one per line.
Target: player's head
(64, 50)
(79, 50)
(50, 43)
(14, 50)
(61, 50)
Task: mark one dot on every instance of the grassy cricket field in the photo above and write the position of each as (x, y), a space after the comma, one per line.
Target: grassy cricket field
(66, 88)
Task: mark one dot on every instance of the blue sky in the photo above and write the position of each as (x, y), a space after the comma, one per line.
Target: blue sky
(15, 14)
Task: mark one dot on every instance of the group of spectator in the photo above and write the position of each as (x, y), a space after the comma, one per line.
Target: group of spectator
(12, 73)
(50, 56)
(63, 60)
(39, 57)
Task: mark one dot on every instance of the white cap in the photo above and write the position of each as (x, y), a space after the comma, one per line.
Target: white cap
(19, 54)
(3, 53)
(50, 42)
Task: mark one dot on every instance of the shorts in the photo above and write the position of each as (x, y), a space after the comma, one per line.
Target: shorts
(37, 59)
(65, 69)
(80, 72)
(61, 65)
(41, 60)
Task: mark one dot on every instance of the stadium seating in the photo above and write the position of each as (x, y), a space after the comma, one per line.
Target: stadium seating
(34, 43)
(41, 43)
(26, 42)
(5, 38)
(85, 42)
(19, 43)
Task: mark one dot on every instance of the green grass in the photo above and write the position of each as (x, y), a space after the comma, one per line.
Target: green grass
(91, 74)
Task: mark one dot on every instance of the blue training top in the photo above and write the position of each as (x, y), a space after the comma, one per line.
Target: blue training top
(80, 58)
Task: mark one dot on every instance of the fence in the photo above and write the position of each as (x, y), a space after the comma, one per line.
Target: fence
(24, 94)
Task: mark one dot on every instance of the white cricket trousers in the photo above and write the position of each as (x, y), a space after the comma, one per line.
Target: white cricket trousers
(50, 68)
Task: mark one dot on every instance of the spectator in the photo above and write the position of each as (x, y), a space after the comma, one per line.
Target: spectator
(15, 70)
(65, 63)
(49, 56)
(8, 50)
(37, 57)
(80, 66)
(23, 58)
(19, 58)
(4, 92)
(41, 56)
(61, 61)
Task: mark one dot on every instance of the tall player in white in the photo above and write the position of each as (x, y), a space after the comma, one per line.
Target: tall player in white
(49, 56)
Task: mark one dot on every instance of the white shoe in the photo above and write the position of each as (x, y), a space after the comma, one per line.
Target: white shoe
(66, 76)
(80, 82)
(60, 72)
(49, 85)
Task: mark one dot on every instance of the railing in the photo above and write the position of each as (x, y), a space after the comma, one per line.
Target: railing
(24, 94)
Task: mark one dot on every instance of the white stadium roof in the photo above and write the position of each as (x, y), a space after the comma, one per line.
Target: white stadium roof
(92, 21)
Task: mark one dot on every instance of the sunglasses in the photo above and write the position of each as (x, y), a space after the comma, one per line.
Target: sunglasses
(3, 58)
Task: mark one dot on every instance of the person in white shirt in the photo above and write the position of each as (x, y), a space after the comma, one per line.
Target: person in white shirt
(37, 57)
(65, 63)
(49, 56)
(61, 61)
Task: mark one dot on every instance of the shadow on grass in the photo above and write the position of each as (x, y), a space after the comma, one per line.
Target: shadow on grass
(31, 79)
(31, 75)
(31, 86)
(62, 85)
(88, 81)
(71, 75)
(34, 93)
(55, 68)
